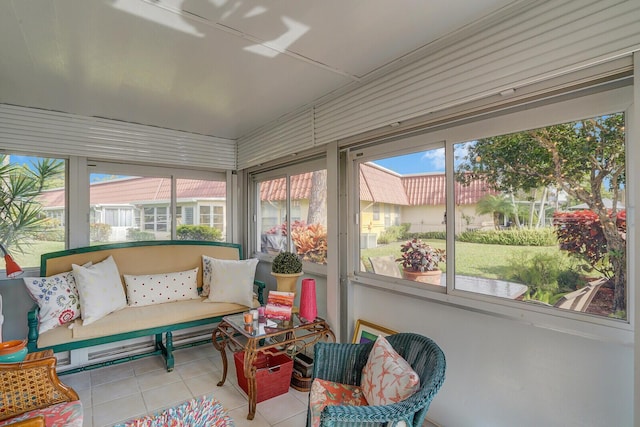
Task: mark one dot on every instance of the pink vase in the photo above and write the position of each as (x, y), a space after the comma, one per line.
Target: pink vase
(308, 306)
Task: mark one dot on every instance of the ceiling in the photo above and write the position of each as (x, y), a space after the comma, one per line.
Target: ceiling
(214, 67)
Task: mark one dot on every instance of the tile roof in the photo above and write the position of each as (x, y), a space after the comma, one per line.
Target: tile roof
(377, 184)
(141, 190)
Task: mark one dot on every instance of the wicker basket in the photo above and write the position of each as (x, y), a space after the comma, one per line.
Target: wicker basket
(299, 382)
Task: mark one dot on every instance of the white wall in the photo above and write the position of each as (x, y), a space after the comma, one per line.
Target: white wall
(501, 372)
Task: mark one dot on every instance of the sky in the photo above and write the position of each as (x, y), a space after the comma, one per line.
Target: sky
(422, 162)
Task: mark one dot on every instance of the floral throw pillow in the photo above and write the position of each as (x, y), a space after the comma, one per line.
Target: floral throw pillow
(325, 393)
(57, 297)
(387, 378)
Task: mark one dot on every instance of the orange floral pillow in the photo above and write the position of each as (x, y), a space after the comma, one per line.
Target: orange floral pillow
(387, 378)
(325, 393)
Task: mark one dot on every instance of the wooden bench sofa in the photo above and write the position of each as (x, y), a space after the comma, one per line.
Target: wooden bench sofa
(157, 320)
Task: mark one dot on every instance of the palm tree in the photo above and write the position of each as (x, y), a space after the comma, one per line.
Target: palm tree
(20, 213)
(496, 206)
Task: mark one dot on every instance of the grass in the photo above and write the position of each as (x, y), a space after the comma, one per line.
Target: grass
(32, 252)
(472, 259)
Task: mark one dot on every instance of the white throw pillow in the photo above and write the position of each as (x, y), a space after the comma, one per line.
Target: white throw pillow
(231, 281)
(57, 297)
(100, 290)
(150, 289)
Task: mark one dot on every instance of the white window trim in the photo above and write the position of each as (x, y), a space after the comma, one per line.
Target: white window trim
(594, 327)
(283, 171)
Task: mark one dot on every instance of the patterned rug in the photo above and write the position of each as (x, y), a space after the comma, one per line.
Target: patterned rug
(202, 412)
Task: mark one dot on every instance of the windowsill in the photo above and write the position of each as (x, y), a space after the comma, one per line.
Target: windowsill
(578, 324)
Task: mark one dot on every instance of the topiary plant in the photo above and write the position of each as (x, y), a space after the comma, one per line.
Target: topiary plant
(286, 263)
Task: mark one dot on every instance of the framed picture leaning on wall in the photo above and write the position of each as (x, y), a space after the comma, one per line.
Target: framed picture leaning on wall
(368, 332)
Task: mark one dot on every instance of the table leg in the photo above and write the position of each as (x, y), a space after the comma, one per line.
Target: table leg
(220, 346)
(250, 355)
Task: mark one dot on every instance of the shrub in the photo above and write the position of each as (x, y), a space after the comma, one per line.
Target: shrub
(99, 232)
(139, 235)
(428, 235)
(286, 263)
(542, 273)
(513, 237)
(198, 232)
(394, 233)
(580, 233)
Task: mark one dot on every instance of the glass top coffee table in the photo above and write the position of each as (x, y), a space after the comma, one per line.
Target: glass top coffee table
(274, 336)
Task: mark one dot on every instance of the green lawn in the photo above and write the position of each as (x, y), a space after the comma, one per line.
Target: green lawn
(472, 259)
(32, 252)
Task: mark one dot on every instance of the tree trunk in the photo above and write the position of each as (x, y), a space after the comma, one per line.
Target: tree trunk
(318, 198)
(618, 258)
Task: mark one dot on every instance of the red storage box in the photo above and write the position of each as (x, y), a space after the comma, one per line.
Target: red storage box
(273, 374)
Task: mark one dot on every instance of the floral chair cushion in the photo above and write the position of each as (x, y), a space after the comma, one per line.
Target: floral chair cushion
(67, 414)
(325, 393)
(387, 378)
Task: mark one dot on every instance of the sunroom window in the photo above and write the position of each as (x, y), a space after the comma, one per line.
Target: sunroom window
(551, 228)
(32, 207)
(526, 209)
(291, 212)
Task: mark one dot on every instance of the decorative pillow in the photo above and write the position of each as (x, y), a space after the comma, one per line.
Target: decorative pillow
(156, 288)
(57, 297)
(230, 281)
(324, 393)
(387, 378)
(100, 290)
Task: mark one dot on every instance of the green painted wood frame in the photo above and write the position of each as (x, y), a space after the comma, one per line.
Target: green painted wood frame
(164, 348)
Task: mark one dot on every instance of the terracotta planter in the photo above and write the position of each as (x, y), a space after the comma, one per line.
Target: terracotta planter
(433, 277)
(286, 282)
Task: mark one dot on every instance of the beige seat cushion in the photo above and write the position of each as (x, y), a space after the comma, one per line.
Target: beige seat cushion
(135, 318)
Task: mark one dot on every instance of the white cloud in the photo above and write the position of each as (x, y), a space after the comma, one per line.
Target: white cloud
(435, 159)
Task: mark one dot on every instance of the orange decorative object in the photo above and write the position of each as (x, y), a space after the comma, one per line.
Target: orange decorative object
(13, 346)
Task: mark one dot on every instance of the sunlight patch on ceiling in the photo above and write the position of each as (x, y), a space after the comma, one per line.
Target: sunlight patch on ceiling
(158, 14)
(271, 48)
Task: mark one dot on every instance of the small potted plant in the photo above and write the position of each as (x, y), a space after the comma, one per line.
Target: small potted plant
(420, 260)
(286, 268)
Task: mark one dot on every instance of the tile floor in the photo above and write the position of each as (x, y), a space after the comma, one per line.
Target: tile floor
(116, 393)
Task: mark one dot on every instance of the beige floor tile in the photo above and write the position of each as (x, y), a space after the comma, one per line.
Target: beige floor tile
(114, 390)
(163, 397)
(239, 416)
(78, 381)
(190, 354)
(299, 420)
(85, 397)
(155, 379)
(111, 373)
(118, 410)
(230, 397)
(280, 408)
(302, 396)
(203, 384)
(87, 416)
(195, 368)
(148, 364)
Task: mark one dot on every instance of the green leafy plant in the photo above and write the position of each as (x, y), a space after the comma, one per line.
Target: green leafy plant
(420, 256)
(139, 235)
(286, 263)
(198, 232)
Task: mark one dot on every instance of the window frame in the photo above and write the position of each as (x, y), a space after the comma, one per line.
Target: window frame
(174, 174)
(589, 103)
(282, 171)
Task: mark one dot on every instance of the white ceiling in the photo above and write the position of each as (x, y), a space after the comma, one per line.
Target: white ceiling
(213, 67)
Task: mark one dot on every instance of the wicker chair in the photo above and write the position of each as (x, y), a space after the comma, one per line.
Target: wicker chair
(343, 363)
(33, 385)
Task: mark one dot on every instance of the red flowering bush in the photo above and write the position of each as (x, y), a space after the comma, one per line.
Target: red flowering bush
(580, 233)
